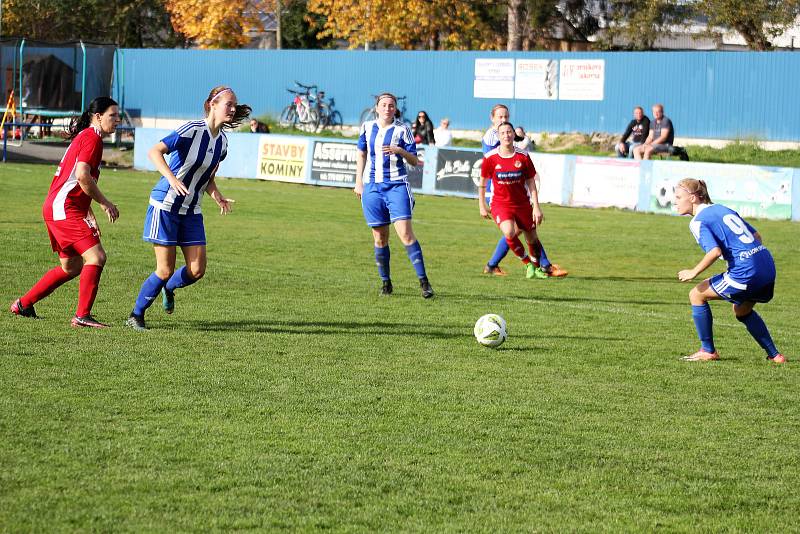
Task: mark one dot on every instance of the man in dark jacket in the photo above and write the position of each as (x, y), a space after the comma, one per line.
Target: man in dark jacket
(637, 130)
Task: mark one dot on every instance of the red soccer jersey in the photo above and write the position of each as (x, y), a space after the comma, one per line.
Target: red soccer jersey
(508, 175)
(66, 199)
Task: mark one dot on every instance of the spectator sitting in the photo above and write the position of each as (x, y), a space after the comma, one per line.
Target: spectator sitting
(423, 129)
(257, 126)
(638, 130)
(443, 134)
(660, 138)
(522, 141)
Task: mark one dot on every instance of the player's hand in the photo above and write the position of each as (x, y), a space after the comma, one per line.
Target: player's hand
(111, 211)
(358, 190)
(225, 205)
(391, 149)
(485, 212)
(178, 186)
(538, 216)
(686, 275)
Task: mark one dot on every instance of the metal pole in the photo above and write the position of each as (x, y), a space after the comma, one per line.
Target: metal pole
(83, 79)
(19, 95)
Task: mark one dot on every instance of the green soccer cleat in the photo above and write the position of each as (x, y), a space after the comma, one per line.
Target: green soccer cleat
(168, 300)
(530, 270)
(538, 272)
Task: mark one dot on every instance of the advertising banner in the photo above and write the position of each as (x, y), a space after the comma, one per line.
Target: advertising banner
(494, 78)
(282, 159)
(550, 176)
(762, 192)
(334, 163)
(606, 182)
(458, 171)
(582, 79)
(536, 79)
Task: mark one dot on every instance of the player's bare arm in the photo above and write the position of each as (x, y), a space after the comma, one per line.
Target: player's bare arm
(89, 186)
(708, 260)
(156, 155)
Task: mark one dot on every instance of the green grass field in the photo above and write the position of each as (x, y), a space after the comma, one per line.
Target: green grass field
(284, 393)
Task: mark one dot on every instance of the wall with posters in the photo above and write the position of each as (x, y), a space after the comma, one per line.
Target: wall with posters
(720, 95)
(760, 192)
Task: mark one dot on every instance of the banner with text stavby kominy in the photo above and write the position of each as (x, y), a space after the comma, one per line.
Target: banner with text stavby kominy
(282, 159)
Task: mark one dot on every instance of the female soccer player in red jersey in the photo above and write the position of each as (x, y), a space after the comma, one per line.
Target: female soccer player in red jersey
(515, 202)
(67, 212)
(490, 141)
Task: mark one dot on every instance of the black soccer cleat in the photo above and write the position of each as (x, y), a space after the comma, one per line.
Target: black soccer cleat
(425, 287)
(136, 322)
(18, 309)
(387, 288)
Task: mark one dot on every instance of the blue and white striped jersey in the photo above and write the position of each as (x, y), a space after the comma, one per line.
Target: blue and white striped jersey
(490, 140)
(716, 225)
(194, 156)
(382, 167)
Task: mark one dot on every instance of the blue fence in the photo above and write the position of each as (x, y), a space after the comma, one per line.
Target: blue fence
(763, 192)
(725, 95)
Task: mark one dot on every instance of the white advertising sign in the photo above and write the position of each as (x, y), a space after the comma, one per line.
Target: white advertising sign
(536, 79)
(582, 79)
(606, 182)
(494, 78)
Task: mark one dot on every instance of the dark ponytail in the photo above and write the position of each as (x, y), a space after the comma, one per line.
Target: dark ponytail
(80, 123)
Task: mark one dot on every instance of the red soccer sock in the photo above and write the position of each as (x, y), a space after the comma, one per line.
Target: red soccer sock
(87, 291)
(516, 247)
(48, 283)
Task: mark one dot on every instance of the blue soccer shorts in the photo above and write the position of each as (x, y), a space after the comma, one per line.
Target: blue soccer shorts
(386, 202)
(165, 228)
(739, 292)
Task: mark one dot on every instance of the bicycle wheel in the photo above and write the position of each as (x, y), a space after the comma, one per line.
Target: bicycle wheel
(335, 121)
(367, 115)
(324, 115)
(288, 116)
(310, 121)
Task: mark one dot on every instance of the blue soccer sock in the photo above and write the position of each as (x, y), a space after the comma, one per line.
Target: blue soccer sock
(758, 329)
(704, 322)
(544, 261)
(500, 252)
(382, 256)
(180, 278)
(415, 255)
(149, 291)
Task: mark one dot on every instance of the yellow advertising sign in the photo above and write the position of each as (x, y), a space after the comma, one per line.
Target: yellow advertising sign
(281, 159)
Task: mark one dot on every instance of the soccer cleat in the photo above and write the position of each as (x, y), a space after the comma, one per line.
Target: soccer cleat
(778, 358)
(387, 288)
(18, 309)
(496, 270)
(87, 321)
(425, 286)
(136, 322)
(530, 270)
(168, 300)
(701, 356)
(556, 271)
(540, 273)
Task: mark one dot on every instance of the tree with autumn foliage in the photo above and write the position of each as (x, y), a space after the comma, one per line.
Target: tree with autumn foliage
(218, 24)
(757, 21)
(444, 24)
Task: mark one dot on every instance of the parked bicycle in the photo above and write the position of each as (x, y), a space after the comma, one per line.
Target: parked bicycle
(301, 113)
(328, 117)
(369, 113)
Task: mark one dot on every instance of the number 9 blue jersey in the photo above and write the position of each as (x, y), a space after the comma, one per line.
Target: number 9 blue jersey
(715, 225)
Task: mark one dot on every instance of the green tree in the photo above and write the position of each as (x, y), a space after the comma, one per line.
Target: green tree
(635, 24)
(758, 21)
(128, 23)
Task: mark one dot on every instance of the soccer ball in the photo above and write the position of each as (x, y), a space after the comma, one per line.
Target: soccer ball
(490, 330)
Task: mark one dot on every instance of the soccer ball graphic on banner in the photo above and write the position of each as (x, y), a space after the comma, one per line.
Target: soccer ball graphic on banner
(490, 330)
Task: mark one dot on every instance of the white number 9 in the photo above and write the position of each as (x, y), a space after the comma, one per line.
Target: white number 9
(738, 227)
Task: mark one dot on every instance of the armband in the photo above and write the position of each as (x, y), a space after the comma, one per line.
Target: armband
(481, 187)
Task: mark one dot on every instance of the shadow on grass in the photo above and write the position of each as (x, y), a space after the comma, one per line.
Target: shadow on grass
(384, 328)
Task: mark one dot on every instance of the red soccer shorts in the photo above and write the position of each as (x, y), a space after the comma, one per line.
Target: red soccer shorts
(72, 237)
(522, 215)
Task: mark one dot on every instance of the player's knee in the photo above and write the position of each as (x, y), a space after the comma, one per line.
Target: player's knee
(164, 272)
(196, 271)
(73, 268)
